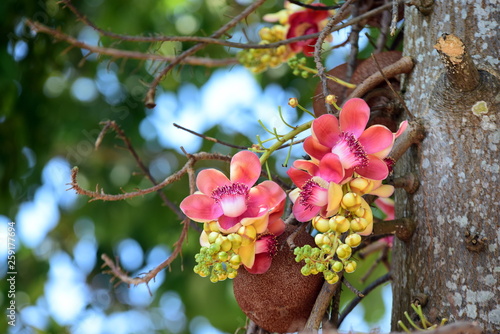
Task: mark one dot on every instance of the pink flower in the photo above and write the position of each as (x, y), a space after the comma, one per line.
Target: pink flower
(306, 22)
(358, 149)
(234, 202)
(386, 205)
(318, 190)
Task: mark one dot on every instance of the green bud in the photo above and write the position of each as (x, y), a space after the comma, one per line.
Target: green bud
(223, 256)
(306, 270)
(235, 260)
(226, 245)
(337, 266)
(214, 248)
(320, 267)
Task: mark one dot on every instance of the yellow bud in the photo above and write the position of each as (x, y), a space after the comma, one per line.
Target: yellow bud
(344, 252)
(211, 227)
(339, 224)
(331, 99)
(281, 50)
(293, 102)
(265, 59)
(361, 185)
(353, 240)
(358, 224)
(350, 266)
(236, 240)
(360, 212)
(320, 224)
(226, 245)
(351, 201)
(232, 274)
(334, 279)
(265, 34)
(212, 237)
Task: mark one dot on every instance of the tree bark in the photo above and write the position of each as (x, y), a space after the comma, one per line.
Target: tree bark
(452, 263)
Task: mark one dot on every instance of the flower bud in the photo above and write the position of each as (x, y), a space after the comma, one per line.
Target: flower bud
(344, 252)
(350, 266)
(223, 256)
(351, 201)
(235, 260)
(339, 224)
(331, 99)
(358, 224)
(226, 245)
(334, 279)
(337, 266)
(361, 185)
(293, 102)
(306, 270)
(353, 240)
(320, 224)
(212, 237)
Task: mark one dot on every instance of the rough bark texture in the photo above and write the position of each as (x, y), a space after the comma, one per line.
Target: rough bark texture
(454, 256)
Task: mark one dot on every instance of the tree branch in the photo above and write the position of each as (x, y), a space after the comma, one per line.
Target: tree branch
(117, 53)
(379, 281)
(116, 271)
(100, 195)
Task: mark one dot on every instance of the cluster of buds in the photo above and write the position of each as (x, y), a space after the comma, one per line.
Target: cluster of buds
(258, 60)
(298, 67)
(337, 236)
(220, 259)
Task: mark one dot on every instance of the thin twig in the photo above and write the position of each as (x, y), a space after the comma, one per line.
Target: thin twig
(215, 140)
(100, 195)
(352, 288)
(335, 19)
(145, 170)
(118, 53)
(120, 274)
(150, 95)
(366, 291)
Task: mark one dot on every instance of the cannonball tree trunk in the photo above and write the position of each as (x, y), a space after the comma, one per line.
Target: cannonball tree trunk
(451, 265)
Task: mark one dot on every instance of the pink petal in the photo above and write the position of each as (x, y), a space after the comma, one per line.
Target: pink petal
(209, 179)
(307, 165)
(354, 116)
(402, 128)
(315, 149)
(330, 168)
(267, 193)
(228, 223)
(245, 168)
(276, 227)
(200, 208)
(376, 169)
(304, 213)
(386, 205)
(376, 138)
(325, 130)
(262, 263)
(298, 177)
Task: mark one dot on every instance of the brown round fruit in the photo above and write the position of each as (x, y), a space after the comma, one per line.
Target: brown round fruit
(281, 299)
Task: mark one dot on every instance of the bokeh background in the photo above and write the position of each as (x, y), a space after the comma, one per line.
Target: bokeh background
(52, 99)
